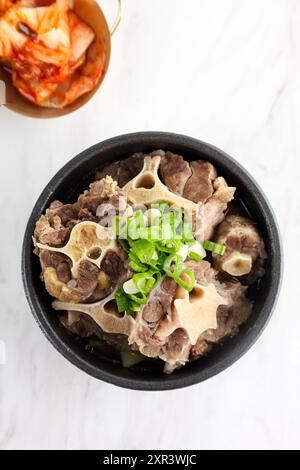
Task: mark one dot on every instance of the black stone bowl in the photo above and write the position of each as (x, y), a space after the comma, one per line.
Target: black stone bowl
(70, 181)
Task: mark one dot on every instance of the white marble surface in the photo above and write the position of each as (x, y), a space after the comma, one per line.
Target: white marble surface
(226, 72)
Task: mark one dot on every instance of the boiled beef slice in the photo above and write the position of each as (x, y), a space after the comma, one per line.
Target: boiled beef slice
(175, 172)
(66, 212)
(113, 265)
(199, 187)
(51, 233)
(60, 262)
(213, 211)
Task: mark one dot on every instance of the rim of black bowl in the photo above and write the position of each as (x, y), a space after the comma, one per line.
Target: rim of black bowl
(152, 140)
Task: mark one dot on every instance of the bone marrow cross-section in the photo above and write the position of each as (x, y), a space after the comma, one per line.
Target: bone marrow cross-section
(193, 312)
(85, 238)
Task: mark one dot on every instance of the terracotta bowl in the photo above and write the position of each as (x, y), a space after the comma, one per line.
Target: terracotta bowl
(71, 180)
(91, 13)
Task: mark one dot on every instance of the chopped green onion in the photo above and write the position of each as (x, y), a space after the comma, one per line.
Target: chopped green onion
(157, 242)
(130, 287)
(124, 244)
(131, 358)
(196, 251)
(157, 276)
(123, 302)
(135, 263)
(95, 343)
(144, 250)
(137, 267)
(215, 248)
(169, 246)
(173, 265)
(195, 256)
(183, 252)
(130, 242)
(139, 299)
(134, 308)
(189, 286)
(155, 263)
(144, 282)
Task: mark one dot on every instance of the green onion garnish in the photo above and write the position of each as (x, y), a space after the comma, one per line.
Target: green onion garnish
(144, 250)
(136, 264)
(189, 286)
(169, 246)
(144, 282)
(95, 343)
(123, 301)
(195, 256)
(173, 266)
(139, 298)
(135, 307)
(157, 242)
(196, 251)
(131, 358)
(124, 244)
(137, 267)
(215, 248)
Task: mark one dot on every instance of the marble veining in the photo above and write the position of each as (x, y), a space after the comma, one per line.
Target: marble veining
(227, 73)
